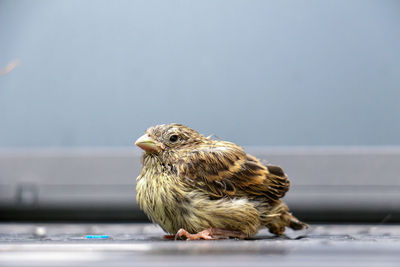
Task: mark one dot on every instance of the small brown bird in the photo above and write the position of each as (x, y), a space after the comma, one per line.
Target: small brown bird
(195, 187)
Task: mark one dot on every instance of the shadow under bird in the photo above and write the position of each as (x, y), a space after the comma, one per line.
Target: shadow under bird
(195, 187)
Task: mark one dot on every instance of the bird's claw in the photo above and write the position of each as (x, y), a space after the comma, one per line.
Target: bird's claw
(206, 235)
(210, 234)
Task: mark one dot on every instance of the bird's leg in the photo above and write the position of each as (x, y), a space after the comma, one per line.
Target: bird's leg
(200, 235)
(210, 234)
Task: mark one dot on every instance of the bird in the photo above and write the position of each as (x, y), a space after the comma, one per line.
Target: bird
(196, 187)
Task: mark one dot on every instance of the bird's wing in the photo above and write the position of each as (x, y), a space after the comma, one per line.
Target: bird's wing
(224, 169)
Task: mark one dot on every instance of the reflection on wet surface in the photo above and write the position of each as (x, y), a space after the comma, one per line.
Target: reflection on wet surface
(83, 244)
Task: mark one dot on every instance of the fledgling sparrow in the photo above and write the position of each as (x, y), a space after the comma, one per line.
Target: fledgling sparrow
(199, 188)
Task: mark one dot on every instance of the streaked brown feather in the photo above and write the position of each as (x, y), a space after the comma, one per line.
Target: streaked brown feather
(224, 169)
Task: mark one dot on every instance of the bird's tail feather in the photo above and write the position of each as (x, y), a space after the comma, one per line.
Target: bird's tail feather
(295, 224)
(279, 217)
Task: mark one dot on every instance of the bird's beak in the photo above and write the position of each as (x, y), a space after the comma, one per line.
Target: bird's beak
(148, 144)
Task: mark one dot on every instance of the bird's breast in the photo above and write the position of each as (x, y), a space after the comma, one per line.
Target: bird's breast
(162, 197)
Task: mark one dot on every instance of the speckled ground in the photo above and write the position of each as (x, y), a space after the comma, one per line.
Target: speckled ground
(142, 244)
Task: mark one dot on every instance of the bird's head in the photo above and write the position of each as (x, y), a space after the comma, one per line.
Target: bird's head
(167, 139)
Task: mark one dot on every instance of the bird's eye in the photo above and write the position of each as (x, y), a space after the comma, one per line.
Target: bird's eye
(173, 138)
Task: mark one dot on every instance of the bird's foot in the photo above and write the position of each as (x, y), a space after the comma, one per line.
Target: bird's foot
(209, 234)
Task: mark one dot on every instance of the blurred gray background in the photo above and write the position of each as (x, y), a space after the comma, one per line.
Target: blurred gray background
(98, 73)
(313, 86)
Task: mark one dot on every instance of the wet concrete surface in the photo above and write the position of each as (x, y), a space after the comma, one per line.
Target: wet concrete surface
(33, 244)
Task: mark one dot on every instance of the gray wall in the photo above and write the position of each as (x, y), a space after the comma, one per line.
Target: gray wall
(98, 73)
(327, 184)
